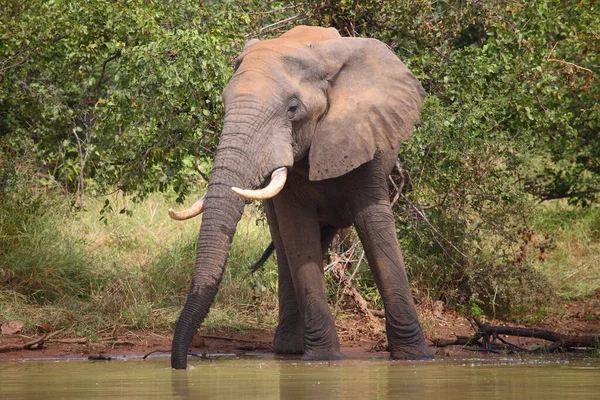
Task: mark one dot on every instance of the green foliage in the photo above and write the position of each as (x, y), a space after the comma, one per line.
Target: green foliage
(104, 95)
(512, 111)
(116, 93)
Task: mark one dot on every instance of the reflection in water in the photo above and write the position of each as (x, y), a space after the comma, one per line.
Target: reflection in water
(347, 380)
(266, 378)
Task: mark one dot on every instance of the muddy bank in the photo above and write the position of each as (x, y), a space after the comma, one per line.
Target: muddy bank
(359, 337)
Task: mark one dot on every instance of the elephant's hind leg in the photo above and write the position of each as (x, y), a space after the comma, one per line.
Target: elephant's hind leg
(289, 335)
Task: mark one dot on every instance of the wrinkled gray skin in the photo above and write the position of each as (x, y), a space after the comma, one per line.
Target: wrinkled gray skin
(333, 111)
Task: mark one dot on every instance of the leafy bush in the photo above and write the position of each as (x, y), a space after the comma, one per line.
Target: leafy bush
(512, 112)
(85, 273)
(99, 96)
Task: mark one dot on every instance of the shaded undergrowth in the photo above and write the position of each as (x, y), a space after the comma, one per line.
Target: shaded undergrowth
(105, 269)
(126, 266)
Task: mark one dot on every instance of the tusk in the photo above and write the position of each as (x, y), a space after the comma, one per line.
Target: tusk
(278, 178)
(195, 209)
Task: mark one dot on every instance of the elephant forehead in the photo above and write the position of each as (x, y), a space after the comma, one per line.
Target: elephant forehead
(256, 82)
(286, 57)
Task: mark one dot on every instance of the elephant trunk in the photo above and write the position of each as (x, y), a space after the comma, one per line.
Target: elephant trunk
(222, 211)
(195, 310)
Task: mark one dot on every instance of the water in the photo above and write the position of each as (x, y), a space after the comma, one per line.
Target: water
(267, 378)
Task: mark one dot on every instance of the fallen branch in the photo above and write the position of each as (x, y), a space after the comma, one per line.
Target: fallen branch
(228, 338)
(568, 343)
(70, 341)
(99, 357)
(121, 343)
(203, 355)
(487, 331)
(487, 334)
(253, 347)
(459, 341)
(38, 343)
(559, 341)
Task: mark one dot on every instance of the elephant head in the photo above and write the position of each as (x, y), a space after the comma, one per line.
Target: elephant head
(307, 95)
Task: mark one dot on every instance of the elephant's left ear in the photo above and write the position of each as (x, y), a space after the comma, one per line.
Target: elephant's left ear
(374, 102)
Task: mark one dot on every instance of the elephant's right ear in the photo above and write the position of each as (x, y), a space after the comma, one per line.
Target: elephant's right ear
(374, 102)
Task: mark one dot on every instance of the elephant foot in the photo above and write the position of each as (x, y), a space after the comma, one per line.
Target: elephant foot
(289, 339)
(406, 341)
(413, 353)
(320, 355)
(282, 345)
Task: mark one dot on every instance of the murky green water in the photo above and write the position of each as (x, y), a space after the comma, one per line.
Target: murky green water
(266, 378)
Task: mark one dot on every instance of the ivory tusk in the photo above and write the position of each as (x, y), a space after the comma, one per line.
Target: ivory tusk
(278, 178)
(195, 209)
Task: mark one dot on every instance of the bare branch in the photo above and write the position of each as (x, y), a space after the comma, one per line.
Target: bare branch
(435, 50)
(431, 226)
(197, 167)
(15, 65)
(276, 25)
(83, 157)
(28, 56)
(101, 78)
(419, 211)
(570, 64)
(278, 9)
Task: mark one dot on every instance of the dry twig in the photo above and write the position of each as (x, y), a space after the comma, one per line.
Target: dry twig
(31, 345)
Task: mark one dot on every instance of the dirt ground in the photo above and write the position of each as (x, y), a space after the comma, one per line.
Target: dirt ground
(360, 337)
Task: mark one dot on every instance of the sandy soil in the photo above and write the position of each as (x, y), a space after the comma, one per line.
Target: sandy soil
(358, 336)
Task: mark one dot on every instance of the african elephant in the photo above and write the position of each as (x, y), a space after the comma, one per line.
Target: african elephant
(318, 119)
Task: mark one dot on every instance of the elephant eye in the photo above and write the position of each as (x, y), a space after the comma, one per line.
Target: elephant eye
(291, 111)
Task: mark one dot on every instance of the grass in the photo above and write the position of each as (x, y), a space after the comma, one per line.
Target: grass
(128, 266)
(571, 236)
(96, 271)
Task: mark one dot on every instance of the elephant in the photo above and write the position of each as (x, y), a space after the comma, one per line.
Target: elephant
(327, 235)
(313, 124)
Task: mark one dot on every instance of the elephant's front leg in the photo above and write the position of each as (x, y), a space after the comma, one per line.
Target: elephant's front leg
(301, 238)
(377, 232)
(289, 335)
(374, 222)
